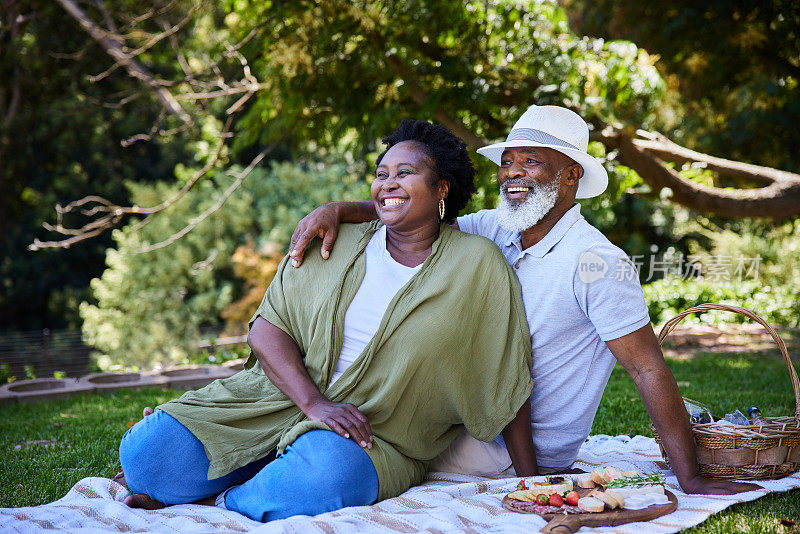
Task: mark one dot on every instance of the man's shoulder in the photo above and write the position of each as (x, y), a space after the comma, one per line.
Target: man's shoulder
(484, 223)
(484, 217)
(470, 243)
(582, 237)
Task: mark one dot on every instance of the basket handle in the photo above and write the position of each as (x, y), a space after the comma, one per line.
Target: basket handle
(675, 321)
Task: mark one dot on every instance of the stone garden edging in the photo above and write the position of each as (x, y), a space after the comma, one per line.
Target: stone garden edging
(177, 377)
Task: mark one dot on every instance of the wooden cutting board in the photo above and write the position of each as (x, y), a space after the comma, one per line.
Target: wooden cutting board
(609, 518)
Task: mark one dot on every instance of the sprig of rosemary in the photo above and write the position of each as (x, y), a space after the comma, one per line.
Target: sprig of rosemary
(647, 479)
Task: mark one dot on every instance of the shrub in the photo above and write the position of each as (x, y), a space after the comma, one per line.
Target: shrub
(669, 296)
(150, 307)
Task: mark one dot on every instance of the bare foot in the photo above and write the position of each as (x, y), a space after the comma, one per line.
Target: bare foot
(140, 500)
(208, 501)
(147, 411)
(119, 478)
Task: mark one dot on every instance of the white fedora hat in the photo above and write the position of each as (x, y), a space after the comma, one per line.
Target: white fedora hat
(560, 129)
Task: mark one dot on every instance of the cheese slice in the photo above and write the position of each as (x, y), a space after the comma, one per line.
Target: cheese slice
(549, 489)
(606, 498)
(637, 502)
(626, 493)
(616, 496)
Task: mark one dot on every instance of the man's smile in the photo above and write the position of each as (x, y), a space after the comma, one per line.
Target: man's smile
(517, 191)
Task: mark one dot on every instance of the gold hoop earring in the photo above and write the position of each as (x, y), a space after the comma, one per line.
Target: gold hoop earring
(441, 209)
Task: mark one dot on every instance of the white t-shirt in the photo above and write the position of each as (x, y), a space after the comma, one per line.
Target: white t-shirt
(383, 279)
(579, 291)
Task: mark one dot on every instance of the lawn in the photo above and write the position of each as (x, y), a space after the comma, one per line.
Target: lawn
(80, 435)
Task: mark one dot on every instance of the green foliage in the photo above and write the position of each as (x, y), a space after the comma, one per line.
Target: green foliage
(290, 191)
(5, 374)
(669, 296)
(219, 356)
(150, 307)
(758, 269)
(30, 372)
(346, 73)
(777, 247)
(734, 64)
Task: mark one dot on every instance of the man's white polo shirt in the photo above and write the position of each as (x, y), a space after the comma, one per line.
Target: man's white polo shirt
(579, 291)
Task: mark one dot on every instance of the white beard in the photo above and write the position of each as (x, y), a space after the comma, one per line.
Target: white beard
(519, 217)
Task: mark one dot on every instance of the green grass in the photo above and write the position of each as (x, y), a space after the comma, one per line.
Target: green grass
(724, 382)
(87, 429)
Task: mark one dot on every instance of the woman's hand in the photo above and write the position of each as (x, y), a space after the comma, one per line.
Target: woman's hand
(343, 418)
(283, 364)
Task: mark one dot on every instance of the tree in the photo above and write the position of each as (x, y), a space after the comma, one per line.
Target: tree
(61, 137)
(735, 65)
(332, 70)
(152, 307)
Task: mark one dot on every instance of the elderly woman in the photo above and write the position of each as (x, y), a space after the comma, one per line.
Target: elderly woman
(363, 367)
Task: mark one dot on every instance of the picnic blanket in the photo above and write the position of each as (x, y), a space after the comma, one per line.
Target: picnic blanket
(444, 503)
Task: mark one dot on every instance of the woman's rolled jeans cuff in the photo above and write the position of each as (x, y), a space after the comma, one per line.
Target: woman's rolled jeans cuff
(320, 472)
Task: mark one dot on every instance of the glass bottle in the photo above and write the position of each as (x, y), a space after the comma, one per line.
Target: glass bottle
(755, 416)
(698, 412)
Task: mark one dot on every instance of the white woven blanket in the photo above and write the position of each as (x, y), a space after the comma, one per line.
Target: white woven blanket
(445, 503)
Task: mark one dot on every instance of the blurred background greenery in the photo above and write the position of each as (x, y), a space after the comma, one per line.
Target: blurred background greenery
(328, 79)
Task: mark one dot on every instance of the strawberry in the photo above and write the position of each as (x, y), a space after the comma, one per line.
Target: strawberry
(556, 500)
(572, 498)
(521, 485)
(542, 499)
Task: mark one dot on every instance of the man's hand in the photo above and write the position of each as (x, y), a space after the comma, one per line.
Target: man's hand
(343, 418)
(640, 355)
(322, 222)
(710, 486)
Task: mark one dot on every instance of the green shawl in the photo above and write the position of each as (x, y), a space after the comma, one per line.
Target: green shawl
(452, 349)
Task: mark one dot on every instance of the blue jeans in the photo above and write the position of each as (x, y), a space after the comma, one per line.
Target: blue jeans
(320, 472)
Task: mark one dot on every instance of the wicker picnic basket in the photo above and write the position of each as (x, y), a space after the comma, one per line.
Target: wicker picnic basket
(749, 452)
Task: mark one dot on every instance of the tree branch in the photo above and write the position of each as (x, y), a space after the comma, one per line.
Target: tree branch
(216, 206)
(15, 100)
(114, 213)
(658, 145)
(132, 66)
(778, 200)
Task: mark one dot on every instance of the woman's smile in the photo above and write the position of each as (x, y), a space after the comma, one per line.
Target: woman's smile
(393, 202)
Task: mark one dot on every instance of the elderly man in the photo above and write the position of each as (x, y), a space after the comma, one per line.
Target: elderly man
(584, 307)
